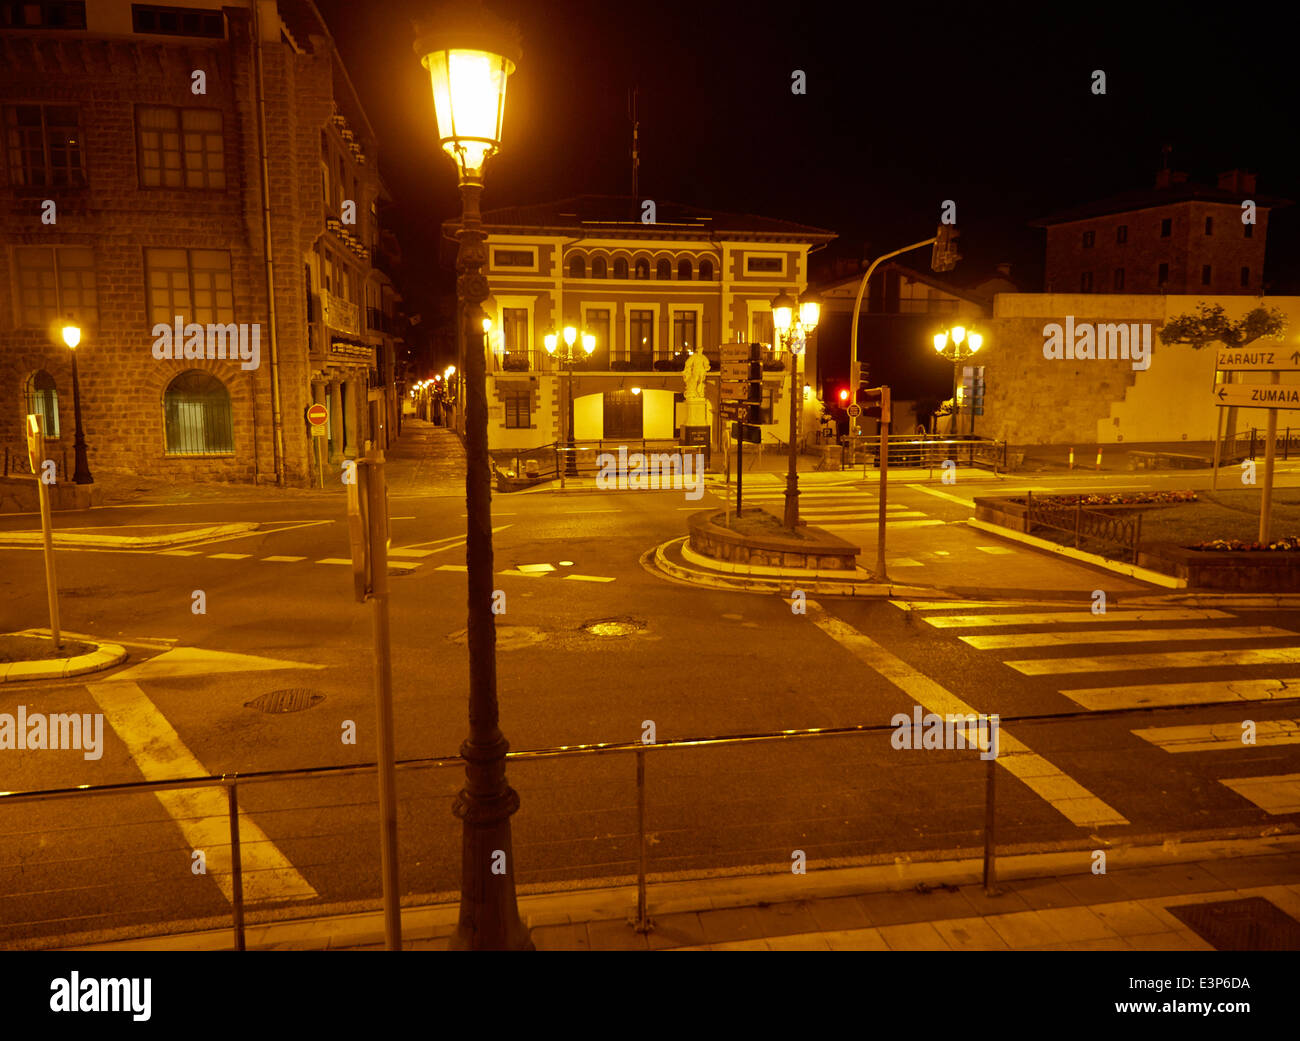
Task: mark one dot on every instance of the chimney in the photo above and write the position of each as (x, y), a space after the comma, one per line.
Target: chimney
(1239, 182)
(1168, 178)
(1004, 269)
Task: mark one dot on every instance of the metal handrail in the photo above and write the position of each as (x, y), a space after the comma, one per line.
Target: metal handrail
(231, 781)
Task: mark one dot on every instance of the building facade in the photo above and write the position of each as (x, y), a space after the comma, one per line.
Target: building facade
(1180, 237)
(190, 173)
(650, 294)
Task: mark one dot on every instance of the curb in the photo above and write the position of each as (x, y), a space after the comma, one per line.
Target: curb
(26, 539)
(105, 656)
(615, 903)
(1142, 574)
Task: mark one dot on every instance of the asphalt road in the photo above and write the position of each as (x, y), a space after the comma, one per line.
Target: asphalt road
(697, 662)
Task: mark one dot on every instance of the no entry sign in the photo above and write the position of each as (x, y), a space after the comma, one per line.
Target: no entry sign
(318, 415)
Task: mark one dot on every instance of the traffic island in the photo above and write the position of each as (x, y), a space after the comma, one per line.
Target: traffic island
(756, 539)
(20, 493)
(29, 656)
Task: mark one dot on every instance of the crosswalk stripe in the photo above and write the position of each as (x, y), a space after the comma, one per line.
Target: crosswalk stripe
(588, 578)
(1082, 615)
(1167, 660)
(229, 556)
(178, 552)
(284, 560)
(971, 605)
(1218, 737)
(1003, 640)
(404, 552)
(889, 523)
(334, 560)
(942, 495)
(202, 814)
(1098, 699)
(1277, 794)
(451, 567)
(1064, 793)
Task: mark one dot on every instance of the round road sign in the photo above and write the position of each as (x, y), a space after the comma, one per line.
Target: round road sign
(855, 410)
(318, 415)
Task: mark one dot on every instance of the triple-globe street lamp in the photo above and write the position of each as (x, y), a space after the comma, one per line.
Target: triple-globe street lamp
(470, 55)
(567, 359)
(793, 333)
(958, 345)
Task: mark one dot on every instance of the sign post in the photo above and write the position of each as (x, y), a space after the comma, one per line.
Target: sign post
(881, 394)
(36, 456)
(318, 417)
(368, 533)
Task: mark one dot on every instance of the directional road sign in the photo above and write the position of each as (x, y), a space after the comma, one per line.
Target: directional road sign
(1256, 359)
(735, 370)
(730, 352)
(1258, 395)
(736, 391)
(744, 432)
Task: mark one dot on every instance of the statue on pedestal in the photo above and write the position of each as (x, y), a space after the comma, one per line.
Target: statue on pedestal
(693, 374)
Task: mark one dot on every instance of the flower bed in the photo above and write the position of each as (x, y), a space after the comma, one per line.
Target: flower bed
(1112, 499)
(1289, 543)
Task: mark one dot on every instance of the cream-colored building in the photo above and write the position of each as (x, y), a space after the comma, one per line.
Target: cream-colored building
(650, 294)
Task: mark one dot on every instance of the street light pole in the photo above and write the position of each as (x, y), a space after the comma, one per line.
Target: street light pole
(81, 472)
(469, 57)
(794, 331)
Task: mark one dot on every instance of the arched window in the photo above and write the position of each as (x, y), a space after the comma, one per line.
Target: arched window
(620, 267)
(684, 270)
(642, 268)
(706, 271)
(663, 270)
(196, 412)
(598, 268)
(43, 400)
(577, 268)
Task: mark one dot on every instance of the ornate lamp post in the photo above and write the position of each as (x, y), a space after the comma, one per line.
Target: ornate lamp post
(470, 55)
(551, 340)
(81, 473)
(957, 345)
(794, 335)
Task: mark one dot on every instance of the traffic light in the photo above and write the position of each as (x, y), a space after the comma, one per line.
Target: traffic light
(844, 395)
(945, 254)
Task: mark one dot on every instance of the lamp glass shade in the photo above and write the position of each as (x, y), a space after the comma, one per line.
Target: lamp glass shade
(781, 316)
(570, 334)
(809, 312)
(71, 336)
(940, 341)
(588, 342)
(469, 101)
(550, 340)
(976, 341)
(958, 333)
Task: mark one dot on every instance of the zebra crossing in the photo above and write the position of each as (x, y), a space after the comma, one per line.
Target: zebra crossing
(842, 507)
(1077, 644)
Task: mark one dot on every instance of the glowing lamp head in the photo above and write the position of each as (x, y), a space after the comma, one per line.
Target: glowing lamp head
(470, 55)
(72, 336)
(570, 334)
(588, 342)
(940, 341)
(976, 341)
(810, 310)
(448, 371)
(958, 334)
(550, 340)
(782, 312)
(636, 390)
(487, 325)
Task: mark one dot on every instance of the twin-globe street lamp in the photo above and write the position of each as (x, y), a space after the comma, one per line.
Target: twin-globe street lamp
(794, 335)
(470, 54)
(81, 472)
(588, 345)
(958, 345)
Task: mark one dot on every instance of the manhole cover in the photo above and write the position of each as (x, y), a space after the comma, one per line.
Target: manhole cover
(295, 700)
(615, 626)
(1252, 924)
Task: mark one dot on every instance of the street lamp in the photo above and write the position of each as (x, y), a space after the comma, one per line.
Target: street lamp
(81, 473)
(793, 332)
(551, 340)
(957, 345)
(470, 56)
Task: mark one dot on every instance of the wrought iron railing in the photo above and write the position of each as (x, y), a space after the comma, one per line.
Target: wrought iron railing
(1121, 530)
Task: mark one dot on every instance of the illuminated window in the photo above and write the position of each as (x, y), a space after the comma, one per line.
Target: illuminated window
(55, 282)
(43, 400)
(192, 283)
(180, 148)
(44, 145)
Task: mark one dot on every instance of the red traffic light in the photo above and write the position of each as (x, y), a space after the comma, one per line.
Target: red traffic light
(844, 396)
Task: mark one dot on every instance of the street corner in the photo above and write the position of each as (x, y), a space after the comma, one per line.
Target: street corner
(130, 537)
(32, 655)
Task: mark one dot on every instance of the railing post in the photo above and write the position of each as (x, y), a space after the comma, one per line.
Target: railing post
(990, 864)
(236, 868)
(1078, 520)
(1137, 536)
(642, 923)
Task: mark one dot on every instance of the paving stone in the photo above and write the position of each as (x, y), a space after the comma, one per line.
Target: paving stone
(970, 934)
(856, 940)
(615, 935)
(786, 918)
(1094, 889)
(910, 906)
(569, 937)
(1162, 881)
(736, 923)
(1076, 923)
(839, 913)
(758, 944)
(1128, 918)
(1039, 893)
(916, 936)
(1023, 930)
(676, 930)
(1169, 941)
(798, 942)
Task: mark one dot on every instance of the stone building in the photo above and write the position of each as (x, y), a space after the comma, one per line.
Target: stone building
(650, 294)
(1180, 237)
(131, 193)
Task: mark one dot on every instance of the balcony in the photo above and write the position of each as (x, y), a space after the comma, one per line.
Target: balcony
(340, 314)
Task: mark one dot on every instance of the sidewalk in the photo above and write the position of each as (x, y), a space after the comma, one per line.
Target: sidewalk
(426, 460)
(1045, 901)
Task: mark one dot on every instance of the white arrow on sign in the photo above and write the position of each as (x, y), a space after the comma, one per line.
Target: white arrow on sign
(1258, 395)
(735, 370)
(1256, 359)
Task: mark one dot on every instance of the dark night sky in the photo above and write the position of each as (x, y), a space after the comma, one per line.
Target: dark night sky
(907, 105)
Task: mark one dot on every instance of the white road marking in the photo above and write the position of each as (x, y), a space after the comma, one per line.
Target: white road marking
(995, 549)
(413, 552)
(1274, 795)
(1083, 614)
(1050, 639)
(450, 538)
(335, 560)
(285, 560)
(969, 605)
(889, 523)
(1064, 793)
(942, 495)
(1219, 737)
(202, 814)
(587, 578)
(1167, 660)
(536, 567)
(903, 562)
(178, 552)
(1098, 699)
(452, 567)
(194, 661)
(229, 556)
